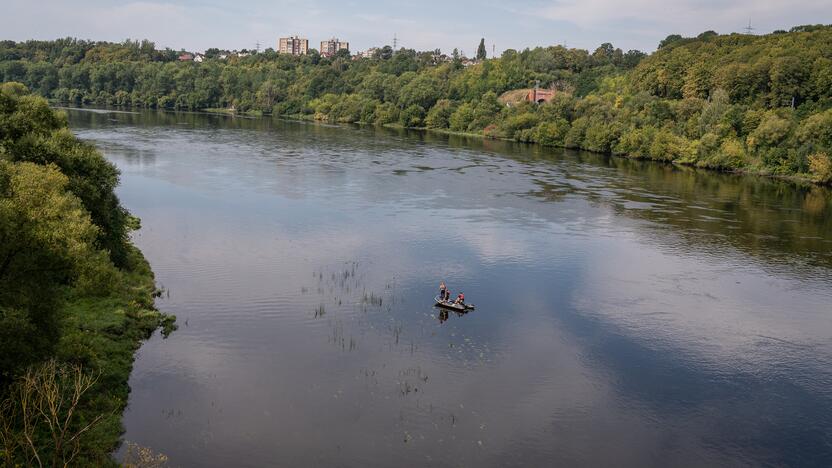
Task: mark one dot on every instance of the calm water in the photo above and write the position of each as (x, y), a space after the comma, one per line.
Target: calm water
(628, 314)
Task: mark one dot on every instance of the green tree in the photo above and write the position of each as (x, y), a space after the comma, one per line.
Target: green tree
(481, 52)
(46, 241)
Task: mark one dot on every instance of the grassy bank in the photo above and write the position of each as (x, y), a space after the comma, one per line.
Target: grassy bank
(99, 337)
(102, 334)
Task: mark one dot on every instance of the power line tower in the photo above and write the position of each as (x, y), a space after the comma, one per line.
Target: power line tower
(257, 47)
(493, 50)
(395, 43)
(748, 29)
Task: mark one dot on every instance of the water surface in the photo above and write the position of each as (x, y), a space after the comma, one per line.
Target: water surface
(628, 313)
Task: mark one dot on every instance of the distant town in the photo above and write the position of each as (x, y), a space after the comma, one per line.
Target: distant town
(296, 45)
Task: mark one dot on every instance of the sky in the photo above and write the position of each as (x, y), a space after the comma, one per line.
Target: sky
(196, 25)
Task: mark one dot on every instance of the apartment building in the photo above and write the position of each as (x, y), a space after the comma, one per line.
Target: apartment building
(293, 45)
(330, 47)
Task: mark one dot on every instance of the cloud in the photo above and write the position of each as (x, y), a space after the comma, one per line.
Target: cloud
(658, 17)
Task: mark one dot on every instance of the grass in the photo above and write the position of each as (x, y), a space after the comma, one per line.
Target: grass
(514, 96)
(102, 334)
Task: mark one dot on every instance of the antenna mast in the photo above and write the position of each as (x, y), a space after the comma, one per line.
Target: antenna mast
(748, 28)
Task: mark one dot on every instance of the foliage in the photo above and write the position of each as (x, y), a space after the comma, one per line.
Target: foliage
(820, 166)
(65, 298)
(481, 53)
(31, 131)
(46, 242)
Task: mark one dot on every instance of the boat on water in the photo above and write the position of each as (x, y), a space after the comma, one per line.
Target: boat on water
(452, 305)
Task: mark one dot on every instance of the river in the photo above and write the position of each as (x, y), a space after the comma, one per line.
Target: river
(627, 313)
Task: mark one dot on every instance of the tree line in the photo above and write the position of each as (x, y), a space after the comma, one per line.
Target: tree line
(733, 102)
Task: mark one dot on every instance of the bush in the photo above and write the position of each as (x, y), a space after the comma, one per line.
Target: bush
(439, 115)
(386, 113)
(413, 116)
(600, 137)
(462, 118)
(731, 155)
(669, 147)
(635, 142)
(820, 166)
(551, 133)
(772, 130)
(510, 126)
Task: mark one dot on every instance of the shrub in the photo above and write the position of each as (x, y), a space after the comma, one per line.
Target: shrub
(820, 166)
(772, 130)
(551, 133)
(510, 126)
(439, 115)
(412, 116)
(386, 113)
(462, 118)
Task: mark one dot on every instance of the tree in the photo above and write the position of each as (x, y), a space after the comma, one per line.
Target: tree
(669, 40)
(385, 53)
(481, 53)
(604, 53)
(46, 241)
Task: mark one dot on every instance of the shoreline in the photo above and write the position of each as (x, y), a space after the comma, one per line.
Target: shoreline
(103, 334)
(798, 179)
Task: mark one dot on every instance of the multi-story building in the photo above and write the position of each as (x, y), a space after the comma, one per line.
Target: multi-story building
(330, 47)
(293, 45)
(369, 53)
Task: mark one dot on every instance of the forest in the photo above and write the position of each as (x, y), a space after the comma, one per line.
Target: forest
(738, 102)
(76, 297)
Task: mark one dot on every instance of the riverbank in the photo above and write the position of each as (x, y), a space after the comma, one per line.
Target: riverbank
(102, 334)
(801, 179)
(76, 296)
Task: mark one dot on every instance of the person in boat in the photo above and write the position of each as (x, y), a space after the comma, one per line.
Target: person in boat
(460, 299)
(442, 290)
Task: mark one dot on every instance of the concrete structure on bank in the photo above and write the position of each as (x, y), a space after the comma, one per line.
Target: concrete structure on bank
(293, 45)
(540, 96)
(331, 46)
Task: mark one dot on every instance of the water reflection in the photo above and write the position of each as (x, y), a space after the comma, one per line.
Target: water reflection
(628, 313)
(443, 314)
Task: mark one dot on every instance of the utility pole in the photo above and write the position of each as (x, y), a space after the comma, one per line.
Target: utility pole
(748, 28)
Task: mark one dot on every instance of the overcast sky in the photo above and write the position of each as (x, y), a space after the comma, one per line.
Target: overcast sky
(421, 24)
